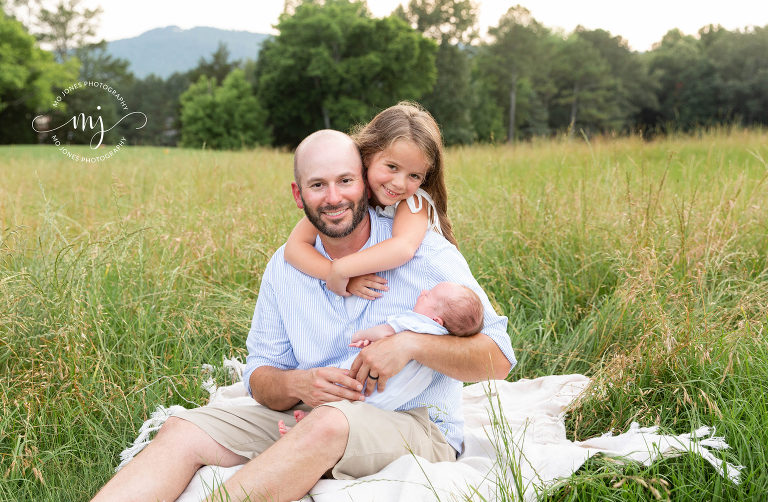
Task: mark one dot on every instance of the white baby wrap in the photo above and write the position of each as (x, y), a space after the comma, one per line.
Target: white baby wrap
(414, 378)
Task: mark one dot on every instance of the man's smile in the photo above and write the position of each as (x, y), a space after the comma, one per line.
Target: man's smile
(335, 213)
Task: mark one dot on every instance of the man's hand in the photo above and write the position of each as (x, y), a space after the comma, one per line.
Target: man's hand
(326, 385)
(367, 286)
(383, 359)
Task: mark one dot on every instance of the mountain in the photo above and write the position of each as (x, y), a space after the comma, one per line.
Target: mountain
(163, 51)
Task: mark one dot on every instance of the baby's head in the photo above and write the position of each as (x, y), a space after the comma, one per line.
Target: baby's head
(456, 307)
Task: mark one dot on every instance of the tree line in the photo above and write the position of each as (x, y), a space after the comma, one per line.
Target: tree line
(333, 65)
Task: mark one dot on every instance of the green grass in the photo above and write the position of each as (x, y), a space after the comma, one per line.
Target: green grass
(642, 265)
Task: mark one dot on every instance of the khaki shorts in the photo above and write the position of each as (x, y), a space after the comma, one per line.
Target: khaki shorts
(376, 437)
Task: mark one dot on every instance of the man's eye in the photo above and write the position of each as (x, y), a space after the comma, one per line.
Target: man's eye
(346, 180)
(315, 185)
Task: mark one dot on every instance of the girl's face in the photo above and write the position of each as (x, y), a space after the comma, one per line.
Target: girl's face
(396, 173)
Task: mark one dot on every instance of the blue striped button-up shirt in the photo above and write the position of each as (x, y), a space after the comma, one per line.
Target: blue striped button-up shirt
(300, 324)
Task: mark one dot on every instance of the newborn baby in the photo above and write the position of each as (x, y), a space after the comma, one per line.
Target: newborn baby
(446, 309)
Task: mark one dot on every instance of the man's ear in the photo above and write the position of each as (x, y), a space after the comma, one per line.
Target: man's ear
(297, 195)
(439, 320)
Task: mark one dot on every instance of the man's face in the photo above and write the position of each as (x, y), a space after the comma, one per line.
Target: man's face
(331, 191)
(336, 220)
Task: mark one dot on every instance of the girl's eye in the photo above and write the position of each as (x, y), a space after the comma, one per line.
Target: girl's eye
(392, 167)
(416, 177)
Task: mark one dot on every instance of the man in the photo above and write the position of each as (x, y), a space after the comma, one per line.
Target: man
(299, 334)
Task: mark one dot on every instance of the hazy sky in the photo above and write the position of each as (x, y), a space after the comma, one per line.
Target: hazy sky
(641, 23)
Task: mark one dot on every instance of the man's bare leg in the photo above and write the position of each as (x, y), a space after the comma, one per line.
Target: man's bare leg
(164, 468)
(290, 468)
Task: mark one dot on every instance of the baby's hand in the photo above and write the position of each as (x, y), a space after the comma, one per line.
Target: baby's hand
(366, 286)
(370, 335)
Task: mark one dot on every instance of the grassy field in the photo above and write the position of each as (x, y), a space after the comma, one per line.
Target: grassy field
(642, 265)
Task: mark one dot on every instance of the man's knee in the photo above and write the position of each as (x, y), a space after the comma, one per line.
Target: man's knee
(326, 424)
(190, 441)
(175, 427)
(181, 435)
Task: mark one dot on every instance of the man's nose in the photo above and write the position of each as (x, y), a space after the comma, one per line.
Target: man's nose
(332, 196)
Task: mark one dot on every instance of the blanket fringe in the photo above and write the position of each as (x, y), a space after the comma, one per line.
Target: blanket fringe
(155, 421)
(161, 414)
(697, 442)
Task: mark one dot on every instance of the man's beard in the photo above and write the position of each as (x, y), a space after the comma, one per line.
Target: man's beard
(359, 211)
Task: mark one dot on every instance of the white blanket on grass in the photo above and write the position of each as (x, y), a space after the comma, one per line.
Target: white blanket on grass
(514, 438)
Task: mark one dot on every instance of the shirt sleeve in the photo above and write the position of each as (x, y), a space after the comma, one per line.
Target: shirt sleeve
(268, 343)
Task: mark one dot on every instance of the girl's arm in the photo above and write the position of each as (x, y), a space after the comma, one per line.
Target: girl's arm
(408, 231)
(300, 251)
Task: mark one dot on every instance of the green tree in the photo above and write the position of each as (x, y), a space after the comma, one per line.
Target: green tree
(451, 99)
(450, 23)
(223, 117)
(634, 90)
(29, 77)
(159, 99)
(487, 115)
(64, 25)
(588, 91)
(688, 85)
(217, 68)
(740, 60)
(519, 44)
(333, 66)
(97, 65)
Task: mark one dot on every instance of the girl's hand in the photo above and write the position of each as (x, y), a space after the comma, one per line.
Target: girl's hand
(337, 283)
(367, 286)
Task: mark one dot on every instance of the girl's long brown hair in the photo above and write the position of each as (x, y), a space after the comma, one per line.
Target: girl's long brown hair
(410, 121)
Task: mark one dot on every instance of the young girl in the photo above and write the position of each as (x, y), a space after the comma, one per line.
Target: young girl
(402, 154)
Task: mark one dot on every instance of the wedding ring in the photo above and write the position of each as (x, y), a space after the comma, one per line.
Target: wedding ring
(373, 377)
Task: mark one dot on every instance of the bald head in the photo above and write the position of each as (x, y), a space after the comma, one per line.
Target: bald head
(323, 146)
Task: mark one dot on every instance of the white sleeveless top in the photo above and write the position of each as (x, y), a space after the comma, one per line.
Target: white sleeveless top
(415, 204)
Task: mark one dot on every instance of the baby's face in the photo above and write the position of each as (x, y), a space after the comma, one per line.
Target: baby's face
(431, 302)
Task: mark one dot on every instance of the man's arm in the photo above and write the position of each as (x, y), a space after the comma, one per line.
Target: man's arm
(269, 372)
(283, 389)
(469, 359)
